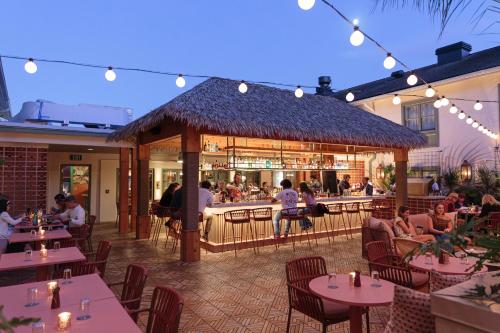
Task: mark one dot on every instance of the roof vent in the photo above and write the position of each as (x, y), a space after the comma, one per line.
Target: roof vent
(324, 86)
(397, 74)
(453, 52)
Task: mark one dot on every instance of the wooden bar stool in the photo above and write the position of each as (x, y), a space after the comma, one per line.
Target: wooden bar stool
(262, 218)
(367, 208)
(352, 210)
(173, 230)
(314, 216)
(295, 215)
(238, 217)
(161, 214)
(336, 212)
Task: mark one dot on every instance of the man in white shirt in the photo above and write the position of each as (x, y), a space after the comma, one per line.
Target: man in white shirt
(74, 214)
(289, 199)
(205, 199)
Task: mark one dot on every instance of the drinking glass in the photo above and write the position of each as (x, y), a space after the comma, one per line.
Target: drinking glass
(376, 279)
(38, 327)
(332, 281)
(67, 276)
(57, 246)
(31, 297)
(428, 259)
(84, 309)
(33, 233)
(463, 259)
(28, 253)
(420, 231)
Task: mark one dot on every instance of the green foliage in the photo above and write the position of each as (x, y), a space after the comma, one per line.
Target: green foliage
(451, 178)
(8, 325)
(389, 176)
(488, 182)
(473, 194)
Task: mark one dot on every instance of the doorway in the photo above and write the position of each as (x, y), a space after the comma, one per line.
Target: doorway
(75, 180)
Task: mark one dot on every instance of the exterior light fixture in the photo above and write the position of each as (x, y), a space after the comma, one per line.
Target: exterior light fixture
(110, 74)
(466, 171)
(180, 81)
(30, 66)
(396, 100)
(349, 97)
(389, 61)
(357, 37)
(429, 92)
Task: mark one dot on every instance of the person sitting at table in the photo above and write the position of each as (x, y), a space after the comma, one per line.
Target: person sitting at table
(205, 199)
(344, 184)
(288, 198)
(404, 229)
(489, 205)
(74, 215)
(460, 202)
(168, 195)
(7, 223)
(60, 204)
(440, 223)
(449, 202)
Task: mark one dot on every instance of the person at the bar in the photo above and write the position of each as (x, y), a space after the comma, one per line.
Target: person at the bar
(7, 223)
(168, 195)
(315, 184)
(344, 184)
(366, 186)
(74, 215)
(60, 200)
(235, 188)
(288, 198)
(205, 199)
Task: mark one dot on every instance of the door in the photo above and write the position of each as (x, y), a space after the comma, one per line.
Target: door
(75, 180)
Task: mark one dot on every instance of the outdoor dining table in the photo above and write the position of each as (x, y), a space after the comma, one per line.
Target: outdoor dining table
(18, 260)
(454, 267)
(25, 237)
(356, 297)
(106, 313)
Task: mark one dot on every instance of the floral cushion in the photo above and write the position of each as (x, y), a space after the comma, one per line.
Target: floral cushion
(440, 281)
(410, 312)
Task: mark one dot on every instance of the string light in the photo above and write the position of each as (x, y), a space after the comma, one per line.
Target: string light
(480, 128)
(469, 121)
(478, 106)
(461, 115)
(390, 62)
(396, 100)
(485, 130)
(429, 92)
(30, 66)
(306, 4)
(299, 92)
(412, 79)
(349, 97)
(453, 109)
(243, 88)
(110, 74)
(475, 124)
(357, 37)
(444, 101)
(437, 104)
(180, 81)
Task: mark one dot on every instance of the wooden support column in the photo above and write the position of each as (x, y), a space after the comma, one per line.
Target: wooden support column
(133, 190)
(123, 195)
(401, 159)
(190, 236)
(143, 218)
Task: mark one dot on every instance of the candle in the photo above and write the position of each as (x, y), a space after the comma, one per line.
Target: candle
(351, 278)
(43, 252)
(63, 320)
(51, 286)
(42, 232)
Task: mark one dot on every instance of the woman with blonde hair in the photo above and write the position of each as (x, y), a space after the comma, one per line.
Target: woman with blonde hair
(489, 205)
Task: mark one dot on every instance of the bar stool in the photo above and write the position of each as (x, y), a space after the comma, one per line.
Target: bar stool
(352, 210)
(262, 218)
(238, 217)
(160, 214)
(382, 208)
(295, 215)
(314, 214)
(335, 211)
(367, 208)
(173, 230)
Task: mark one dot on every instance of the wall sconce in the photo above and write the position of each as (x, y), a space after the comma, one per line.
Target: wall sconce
(379, 172)
(466, 171)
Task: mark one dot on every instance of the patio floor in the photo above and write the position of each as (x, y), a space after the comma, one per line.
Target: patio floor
(224, 293)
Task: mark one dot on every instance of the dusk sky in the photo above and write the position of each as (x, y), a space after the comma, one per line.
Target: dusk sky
(259, 40)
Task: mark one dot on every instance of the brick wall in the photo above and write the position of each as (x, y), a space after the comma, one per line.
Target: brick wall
(356, 171)
(23, 177)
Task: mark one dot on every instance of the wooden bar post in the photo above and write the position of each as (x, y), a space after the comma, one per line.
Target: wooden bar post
(133, 190)
(123, 196)
(190, 236)
(401, 159)
(143, 218)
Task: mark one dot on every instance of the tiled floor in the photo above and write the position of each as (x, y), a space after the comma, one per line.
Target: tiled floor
(224, 293)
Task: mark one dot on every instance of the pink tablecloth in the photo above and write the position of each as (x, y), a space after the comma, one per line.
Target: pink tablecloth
(453, 267)
(12, 261)
(26, 237)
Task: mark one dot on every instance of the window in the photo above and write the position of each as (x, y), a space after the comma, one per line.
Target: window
(423, 117)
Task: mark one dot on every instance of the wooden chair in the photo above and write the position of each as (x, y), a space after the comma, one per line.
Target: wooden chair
(165, 311)
(101, 256)
(80, 235)
(133, 286)
(92, 219)
(336, 211)
(299, 273)
(239, 217)
(77, 269)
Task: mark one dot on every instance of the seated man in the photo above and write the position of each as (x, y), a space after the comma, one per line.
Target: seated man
(60, 200)
(74, 214)
(205, 199)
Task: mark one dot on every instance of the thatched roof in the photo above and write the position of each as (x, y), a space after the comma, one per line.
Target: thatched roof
(216, 106)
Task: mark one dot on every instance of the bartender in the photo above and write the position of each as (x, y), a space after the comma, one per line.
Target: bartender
(236, 188)
(315, 184)
(344, 184)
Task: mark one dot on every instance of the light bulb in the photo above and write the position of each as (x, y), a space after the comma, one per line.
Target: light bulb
(475, 124)
(299, 92)
(412, 80)
(485, 130)
(355, 21)
(469, 120)
(396, 100)
(349, 97)
(306, 4)
(444, 101)
(243, 88)
(461, 115)
(437, 104)
(357, 37)
(30, 66)
(180, 81)
(480, 128)
(389, 62)
(495, 136)
(429, 92)
(453, 109)
(478, 106)
(110, 74)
